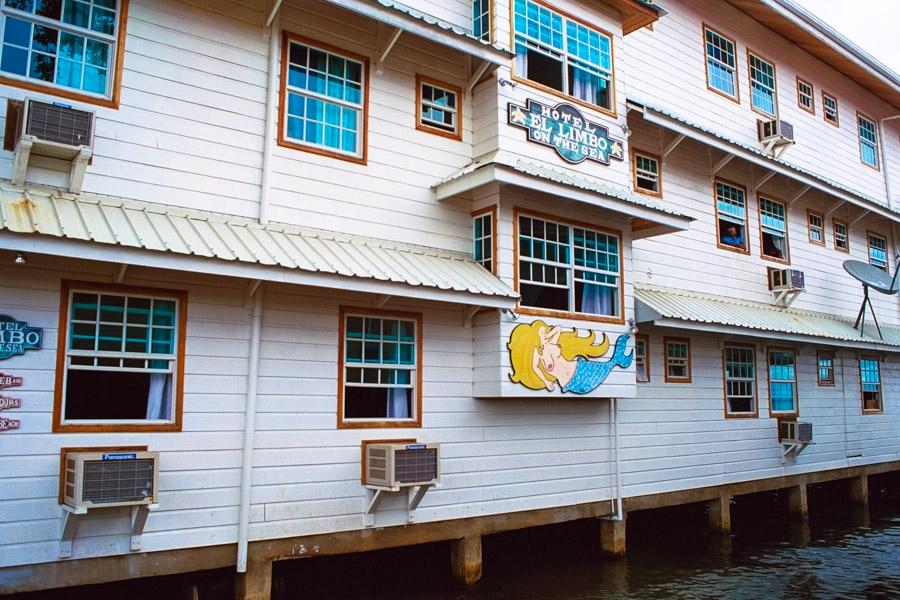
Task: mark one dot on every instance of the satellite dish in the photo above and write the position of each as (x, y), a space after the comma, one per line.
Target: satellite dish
(872, 277)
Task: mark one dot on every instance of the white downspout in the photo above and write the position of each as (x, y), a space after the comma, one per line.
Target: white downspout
(249, 432)
(614, 411)
(269, 135)
(884, 160)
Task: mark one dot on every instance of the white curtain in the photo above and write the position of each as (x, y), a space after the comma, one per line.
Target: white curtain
(585, 86)
(598, 299)
(158, 404)
(521, 62)
(398, 403)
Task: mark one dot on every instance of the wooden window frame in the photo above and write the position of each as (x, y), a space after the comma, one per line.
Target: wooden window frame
(750, 80)
(862, 399)
(825, 382)
(837, 110)
(447, 87)
(740, 415)
(342, 423)
(68, 286)
(562, 314)
(834, 224)
(809, 215)
(787, 242)
(877, 165)
(745, 249)
(612, 110)
(59, 91)
(736, 98)
(677, 340)
(812, 96)
(887, 253)
(780, 414)
(283, 141)
(645, 339)
(659, 175)
(495, 244)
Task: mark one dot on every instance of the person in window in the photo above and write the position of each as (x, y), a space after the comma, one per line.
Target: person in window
(732, 236)
(770, 247)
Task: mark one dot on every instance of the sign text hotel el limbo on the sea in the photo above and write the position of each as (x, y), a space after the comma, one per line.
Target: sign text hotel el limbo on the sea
(565, 129)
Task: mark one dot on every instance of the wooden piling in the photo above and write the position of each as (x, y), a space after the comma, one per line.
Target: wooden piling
(798, 502)
(256, 583)
(612, 537)
(720, 514)
(465, 559)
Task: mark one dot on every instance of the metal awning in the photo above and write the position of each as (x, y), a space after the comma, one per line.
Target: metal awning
(667, 307)
(650, 217)
(734, 148)
(111, 229)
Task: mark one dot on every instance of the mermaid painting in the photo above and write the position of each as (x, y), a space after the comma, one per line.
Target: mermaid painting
(543, 356)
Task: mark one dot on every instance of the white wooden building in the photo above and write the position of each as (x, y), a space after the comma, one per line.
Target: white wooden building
(252, 236)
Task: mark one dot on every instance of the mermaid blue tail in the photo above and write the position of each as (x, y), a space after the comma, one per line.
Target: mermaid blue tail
(589, 374)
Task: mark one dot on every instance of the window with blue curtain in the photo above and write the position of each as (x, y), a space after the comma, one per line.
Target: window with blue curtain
(868, 141)
(380, 362)
(870, 381)
(762, 86)
(782, 381)
(878, 256)
(720, 63)
(65, 43)
(324, 97)
(562, 53)
(121, 357)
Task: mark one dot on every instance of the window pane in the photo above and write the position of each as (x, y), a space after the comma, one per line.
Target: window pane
(107, 395)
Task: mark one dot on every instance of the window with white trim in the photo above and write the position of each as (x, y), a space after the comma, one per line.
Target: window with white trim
(731, 208)
(438, 107)
(66, 43)
(825, 368)
(773, 226)
(121, 358)
(646, 174)
(562, 53)
(483, 235)
(720, 63)
(841, 237)
(806, 96)
(762, 85)
(830, 109)
(678, 360)
(481, 19)
(782, 382)
(878, 256)
(570, 269)
(379, 368)
(324, 97)
(868, 141)
(816, 228)
(740, 380)
(641, 364)
(870, 383)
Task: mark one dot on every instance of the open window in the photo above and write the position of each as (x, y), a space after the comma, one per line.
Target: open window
(739, 363)
(825, 368)
(642, 358)
(816, 224)
(878, 256)
(773, 229)
(647, 173)
(841, 236)
(731, 216)
(870, 384)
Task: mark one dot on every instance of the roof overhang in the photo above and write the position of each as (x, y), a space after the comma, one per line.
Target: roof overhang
(804, 29)
(410, 20)
(635, 13)
(779, 167)
(647, 221)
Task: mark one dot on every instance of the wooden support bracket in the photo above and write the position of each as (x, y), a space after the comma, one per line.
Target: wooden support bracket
(389, 40)
(67, 530)
(20, 159)
(797, 196)
(721, 164)
(763, 180)
(673, 144)
(139, 516)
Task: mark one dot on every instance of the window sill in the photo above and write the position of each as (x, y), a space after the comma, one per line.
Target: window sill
(115, 427)
(452, 135)
(405, 424)
(562, 314)
(52, 90)
(872, 411)
(753, 415)
(781, 261)
(678, 379)
(285, 143)
(737, 249)
(560, 94)
(736, 98)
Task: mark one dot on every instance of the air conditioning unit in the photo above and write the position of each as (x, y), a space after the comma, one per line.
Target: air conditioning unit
(795, 432)
(104, 479)
(786, 279)
(54, 130)
(776, 135)
(393, 466)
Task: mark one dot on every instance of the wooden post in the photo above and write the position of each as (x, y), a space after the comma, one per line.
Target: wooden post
(612, 537)
(465, 559)
(256, 583)
(859, 489)
(720, 514)
(798, 503)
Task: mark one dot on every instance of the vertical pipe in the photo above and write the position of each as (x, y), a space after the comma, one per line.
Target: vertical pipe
(249, 432)
(615, 422)
(269, 134)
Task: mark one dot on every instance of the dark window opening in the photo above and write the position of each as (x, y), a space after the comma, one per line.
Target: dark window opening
(731, 234)
(376, 402)
(545, 70)
(108, 395)
(539, 296)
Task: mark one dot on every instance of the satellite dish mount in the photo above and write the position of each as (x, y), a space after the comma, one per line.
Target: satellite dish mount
(872, 277)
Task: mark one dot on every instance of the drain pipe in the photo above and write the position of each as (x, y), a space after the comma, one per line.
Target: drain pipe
(269, 135)
(614, 413)
(884, 161)
(249, 430)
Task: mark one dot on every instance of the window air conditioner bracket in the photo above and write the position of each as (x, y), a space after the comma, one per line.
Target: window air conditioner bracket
(792, 450)
(72, 516)
(414, 495)
(79, 160)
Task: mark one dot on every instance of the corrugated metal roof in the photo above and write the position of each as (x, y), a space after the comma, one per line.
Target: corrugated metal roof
(544, 171)
(434, 21)
(161, 228)
(758, 151)
(694, 307)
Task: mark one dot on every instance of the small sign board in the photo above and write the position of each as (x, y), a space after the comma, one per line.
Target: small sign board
(6, 402)
(8, 381)
(564, 128)
(120, 456)
(16, 337)
(7, 424)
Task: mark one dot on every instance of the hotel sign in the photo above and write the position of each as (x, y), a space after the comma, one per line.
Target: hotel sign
(16, 337)
(565, 129)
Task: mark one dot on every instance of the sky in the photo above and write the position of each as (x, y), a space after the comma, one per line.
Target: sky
(870, 24)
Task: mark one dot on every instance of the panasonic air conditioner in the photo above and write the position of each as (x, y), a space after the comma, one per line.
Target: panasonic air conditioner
(776, 136)
(104, 479)
(394, 466)
(53, 130)
(790, 280)
(795, 432)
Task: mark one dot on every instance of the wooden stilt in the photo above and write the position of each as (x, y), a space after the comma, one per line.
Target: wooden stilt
(256, 583)
(720, 514)
(612, 537)
(859, 489)
(798, 503)
(465, 559)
